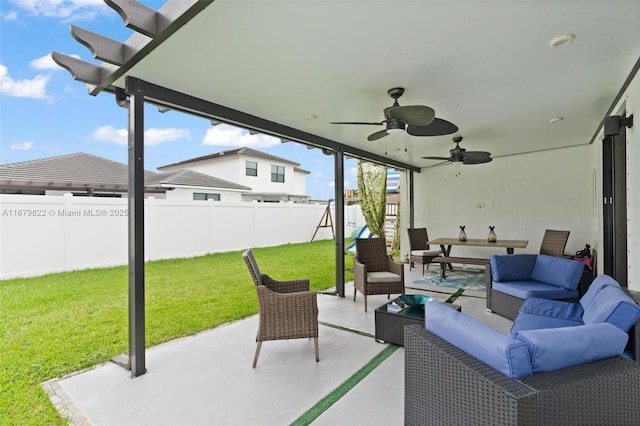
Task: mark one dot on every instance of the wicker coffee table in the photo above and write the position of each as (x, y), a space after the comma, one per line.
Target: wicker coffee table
(390, 325)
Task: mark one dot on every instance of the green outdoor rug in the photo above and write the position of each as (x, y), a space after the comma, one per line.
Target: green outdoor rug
(458, 278)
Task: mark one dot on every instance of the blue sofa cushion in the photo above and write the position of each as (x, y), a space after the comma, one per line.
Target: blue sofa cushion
(507, 355)
(553, 309)
(526, 289)
(598, 284)
(552, 349)
(612, 305)
(557, 271)
(512, 267)
(526, 321)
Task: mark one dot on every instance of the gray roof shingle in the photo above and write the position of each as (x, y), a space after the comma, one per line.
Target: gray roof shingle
(81, 171)
(192, 178)
(72, 171)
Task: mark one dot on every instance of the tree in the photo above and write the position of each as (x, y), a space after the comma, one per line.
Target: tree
(372, 191)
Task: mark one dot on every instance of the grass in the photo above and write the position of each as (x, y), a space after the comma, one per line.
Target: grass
(58, 324)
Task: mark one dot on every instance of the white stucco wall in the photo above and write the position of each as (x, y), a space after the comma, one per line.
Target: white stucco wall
(233, 169)
(520, 195)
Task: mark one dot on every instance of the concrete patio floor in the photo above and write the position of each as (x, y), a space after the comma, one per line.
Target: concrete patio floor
(207, 379)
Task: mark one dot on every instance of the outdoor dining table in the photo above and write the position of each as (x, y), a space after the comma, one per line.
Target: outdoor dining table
(446, 244)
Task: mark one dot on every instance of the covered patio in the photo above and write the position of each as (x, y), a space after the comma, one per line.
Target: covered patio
(547, 88)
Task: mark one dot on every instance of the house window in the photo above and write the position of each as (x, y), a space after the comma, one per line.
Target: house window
(206, 196)
(277, 174)
(251, 168)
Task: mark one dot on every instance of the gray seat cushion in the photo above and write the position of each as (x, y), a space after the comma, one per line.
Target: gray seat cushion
(383, 277)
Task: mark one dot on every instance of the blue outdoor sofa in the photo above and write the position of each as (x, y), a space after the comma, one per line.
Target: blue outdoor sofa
(562, 363)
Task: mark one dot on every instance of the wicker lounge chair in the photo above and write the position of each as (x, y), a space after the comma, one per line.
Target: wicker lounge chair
(288, 310)
(375, 272)
(554, 242)
(420, 251)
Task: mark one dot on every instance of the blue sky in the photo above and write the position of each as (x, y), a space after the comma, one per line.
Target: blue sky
(45, 113)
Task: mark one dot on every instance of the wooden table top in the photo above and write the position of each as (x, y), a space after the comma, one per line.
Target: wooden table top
(477, 242)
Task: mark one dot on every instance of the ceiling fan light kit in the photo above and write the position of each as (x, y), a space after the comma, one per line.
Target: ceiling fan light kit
(416, 120)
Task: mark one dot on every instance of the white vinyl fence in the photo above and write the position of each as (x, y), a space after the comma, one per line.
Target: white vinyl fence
(44, 234)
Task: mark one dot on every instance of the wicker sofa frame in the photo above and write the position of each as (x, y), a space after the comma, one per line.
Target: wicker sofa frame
(445, 385)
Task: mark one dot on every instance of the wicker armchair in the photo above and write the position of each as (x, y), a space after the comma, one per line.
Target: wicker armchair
(288, 310)
(554, 242)
(375, 272)
(420, 251)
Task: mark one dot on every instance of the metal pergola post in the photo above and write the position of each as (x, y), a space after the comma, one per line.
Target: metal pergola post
(135, 88)
(339, 188)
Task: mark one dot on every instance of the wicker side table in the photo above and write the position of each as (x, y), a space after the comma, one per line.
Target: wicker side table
(390, 325)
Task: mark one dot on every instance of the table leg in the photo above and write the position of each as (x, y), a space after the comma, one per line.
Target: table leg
(445, 251)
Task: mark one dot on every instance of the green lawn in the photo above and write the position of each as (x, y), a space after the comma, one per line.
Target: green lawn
(57, 324)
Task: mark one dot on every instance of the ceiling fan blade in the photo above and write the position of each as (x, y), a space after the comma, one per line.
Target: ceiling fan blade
(377, 135)
(413, 115)
(438, 158)
(476, 157)
(358, 122)
(438, 127)
(477, 160)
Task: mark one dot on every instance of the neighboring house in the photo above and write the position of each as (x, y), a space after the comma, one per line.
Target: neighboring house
(84, 174)
(271, 178)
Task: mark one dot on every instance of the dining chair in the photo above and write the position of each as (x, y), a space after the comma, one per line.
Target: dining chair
(419, 248)
(554, 242)
(375, 272)
(288, 310)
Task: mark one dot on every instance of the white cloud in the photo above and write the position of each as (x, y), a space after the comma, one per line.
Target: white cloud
(10, 16)
(21, 146)
(151, 136)
(317, 175)
(226, 135)
(158, 136)
(67, 9)
(46, 63)
(34, 88)
(110, 134)
(353, 171)
(332, 184)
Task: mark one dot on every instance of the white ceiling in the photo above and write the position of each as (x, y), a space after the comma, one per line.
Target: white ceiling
(484, 65)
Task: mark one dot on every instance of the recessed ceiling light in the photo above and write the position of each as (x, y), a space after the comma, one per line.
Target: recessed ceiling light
(556, 120)
(561, 41)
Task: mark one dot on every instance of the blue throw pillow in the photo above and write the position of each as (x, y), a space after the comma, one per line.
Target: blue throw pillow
(598, 284)
(613, 306)
(512, 267)
(555, 348)
(507, 355)
(557, 271)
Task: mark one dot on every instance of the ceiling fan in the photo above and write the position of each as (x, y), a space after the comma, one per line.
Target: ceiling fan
(417, 120)
(461, 155)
